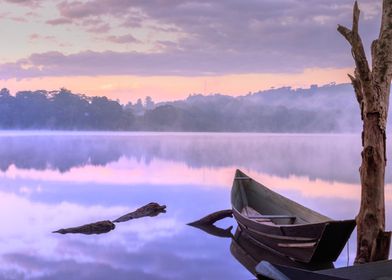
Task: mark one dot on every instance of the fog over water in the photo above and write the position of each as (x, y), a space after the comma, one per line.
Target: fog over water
(313, 155)
(53, 180)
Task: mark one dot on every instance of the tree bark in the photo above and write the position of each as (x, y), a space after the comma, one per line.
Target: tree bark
(372, 88)
(93, 228)
(151, 209)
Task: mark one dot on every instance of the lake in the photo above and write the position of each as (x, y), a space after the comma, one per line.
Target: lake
(53, 180)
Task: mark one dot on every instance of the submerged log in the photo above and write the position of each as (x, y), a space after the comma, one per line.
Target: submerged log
(151, 210)
(212, 218)
(93, 228)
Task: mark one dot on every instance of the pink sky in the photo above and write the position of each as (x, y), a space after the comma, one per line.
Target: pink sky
(162, 88)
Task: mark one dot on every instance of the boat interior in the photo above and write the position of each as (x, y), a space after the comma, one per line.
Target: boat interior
(271, 220)
(262, 205)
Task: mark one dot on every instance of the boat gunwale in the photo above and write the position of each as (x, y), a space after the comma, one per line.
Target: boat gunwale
(299, 239)
(236, 212)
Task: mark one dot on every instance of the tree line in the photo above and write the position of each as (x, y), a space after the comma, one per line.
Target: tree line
(61, 110)
(318, 109)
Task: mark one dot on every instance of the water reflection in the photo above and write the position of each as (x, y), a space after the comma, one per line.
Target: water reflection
(250, 254)
(62, 180)
(141, 248)
(327, 157)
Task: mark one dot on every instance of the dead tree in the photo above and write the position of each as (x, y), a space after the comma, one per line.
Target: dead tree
(372, 88)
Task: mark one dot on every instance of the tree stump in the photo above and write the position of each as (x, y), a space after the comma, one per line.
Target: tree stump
(372, 88)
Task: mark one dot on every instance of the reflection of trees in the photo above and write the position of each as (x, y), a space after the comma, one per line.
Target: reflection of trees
(54, 152)
(326, 157)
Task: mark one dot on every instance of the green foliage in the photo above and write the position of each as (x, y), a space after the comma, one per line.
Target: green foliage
(62, 110)
(318, 109)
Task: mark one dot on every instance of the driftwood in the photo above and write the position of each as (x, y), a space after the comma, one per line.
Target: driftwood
(93, 228)
(372, 88)
(150, 210)
(212, 218)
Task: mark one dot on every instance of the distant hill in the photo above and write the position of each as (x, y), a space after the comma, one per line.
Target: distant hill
(329, 108)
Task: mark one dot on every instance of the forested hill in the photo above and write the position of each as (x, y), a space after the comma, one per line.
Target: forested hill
(330, 108)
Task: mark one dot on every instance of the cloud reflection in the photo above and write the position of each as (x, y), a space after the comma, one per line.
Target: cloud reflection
(128, 172)
(62, 180)
(29, 249)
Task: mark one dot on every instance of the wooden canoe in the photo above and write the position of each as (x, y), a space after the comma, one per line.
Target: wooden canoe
(284, 226)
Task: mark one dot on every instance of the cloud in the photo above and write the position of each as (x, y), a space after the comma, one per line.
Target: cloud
(36, 36)
(124, 39)
(18, 19)
(28, 3)
(100, 28)
(59, 21)
(176, 62)
(205, 37)
(81, 9)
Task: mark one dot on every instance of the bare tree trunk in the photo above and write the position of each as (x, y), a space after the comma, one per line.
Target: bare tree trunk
(372, 88)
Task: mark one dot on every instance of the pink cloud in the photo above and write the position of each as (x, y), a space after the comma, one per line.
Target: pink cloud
(59, 21)
(123, 39)
(29, 3)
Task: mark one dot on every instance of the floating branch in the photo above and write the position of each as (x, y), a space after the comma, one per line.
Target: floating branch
(150, 210)
(93, 228)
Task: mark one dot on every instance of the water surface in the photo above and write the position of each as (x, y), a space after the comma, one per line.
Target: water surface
(55, 180)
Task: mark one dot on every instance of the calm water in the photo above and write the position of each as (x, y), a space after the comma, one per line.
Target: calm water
(55, 180)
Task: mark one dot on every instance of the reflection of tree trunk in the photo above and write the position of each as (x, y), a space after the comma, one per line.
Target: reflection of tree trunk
(372, 87)
(213, 217)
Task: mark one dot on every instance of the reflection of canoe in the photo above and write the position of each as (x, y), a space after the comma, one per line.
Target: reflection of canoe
(285, 226)
(266, 270)
(375, 270)
(250, 254)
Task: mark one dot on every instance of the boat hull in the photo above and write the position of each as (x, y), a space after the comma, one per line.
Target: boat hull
(249, 254)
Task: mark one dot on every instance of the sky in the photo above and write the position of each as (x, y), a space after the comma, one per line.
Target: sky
(168, 49)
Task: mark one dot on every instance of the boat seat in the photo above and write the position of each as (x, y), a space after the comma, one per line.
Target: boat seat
(265, 219)
(270, 217)
(265, 222)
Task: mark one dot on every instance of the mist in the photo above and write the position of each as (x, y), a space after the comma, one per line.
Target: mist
(316, 156)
